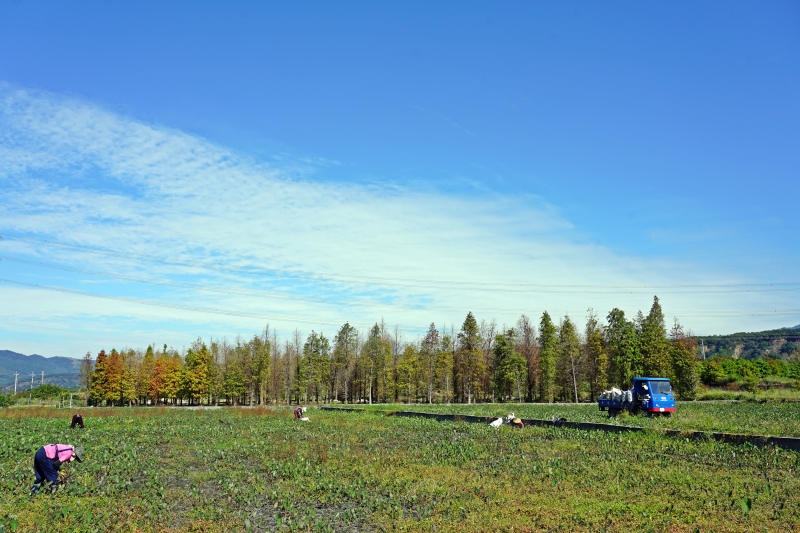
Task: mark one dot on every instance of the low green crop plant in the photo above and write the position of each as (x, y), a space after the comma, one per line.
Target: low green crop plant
(775, 418)
(240, 470)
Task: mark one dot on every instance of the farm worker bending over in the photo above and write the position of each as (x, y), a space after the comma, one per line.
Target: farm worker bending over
(299, 412)
(48, 460)
(77, 420)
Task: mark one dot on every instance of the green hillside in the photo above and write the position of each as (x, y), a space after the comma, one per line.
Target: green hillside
(781, 343)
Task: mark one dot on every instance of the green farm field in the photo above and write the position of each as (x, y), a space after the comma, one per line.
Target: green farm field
(780, 419)
(181, 470)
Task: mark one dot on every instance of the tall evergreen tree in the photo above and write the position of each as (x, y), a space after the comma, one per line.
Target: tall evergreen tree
(289, 369)
(261, 363)
(569, 358)
(316, 355)
(469, 358)
(87, 368)
(172, 377)
(217, 369)
(596, 356)
(197, 373)
(430, 353)
(372, 361)
(444, 367)
(526, 346)
(145, 375)
(488, 332)
(344, 352)
(511, 368)
(98, 387)
(655, 346)
(384, 369)
(624, 352)
(685, 366)
(548, 348)
(234, 385)
(409, 374)
(130, 372)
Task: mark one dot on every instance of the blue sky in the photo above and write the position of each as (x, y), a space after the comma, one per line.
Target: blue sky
(198, 169)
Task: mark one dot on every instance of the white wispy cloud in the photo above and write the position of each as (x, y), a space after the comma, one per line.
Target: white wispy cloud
(183, 210)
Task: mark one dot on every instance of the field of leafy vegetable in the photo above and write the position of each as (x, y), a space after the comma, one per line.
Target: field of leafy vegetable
(780, 419)
(259, 470)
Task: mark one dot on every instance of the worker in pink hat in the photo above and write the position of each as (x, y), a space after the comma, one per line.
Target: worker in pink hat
(48, 460)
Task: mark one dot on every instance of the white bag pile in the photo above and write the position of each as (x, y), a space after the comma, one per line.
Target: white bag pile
(617, 395)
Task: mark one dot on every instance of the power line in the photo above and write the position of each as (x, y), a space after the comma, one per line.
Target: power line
(242, 292)
(712, 314)
(259, 294)
(185, 307)
(246, 292)
(162, 304)
(412, 282)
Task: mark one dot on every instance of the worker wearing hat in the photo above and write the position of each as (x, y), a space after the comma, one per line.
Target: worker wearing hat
(48, 460)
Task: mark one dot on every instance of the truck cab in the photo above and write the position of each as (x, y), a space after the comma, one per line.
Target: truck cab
(654, 396)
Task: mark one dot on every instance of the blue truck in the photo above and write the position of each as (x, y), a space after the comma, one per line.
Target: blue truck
(652, 396)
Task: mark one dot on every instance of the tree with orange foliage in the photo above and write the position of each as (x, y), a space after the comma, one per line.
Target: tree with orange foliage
(113, 389)
(156, 384)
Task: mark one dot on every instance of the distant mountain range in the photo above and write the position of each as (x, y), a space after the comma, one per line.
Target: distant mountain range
(62, 371)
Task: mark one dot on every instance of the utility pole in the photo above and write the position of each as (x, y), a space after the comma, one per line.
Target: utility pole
(30, 393)
(704, 349)
(42, 377)
(15, 382)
